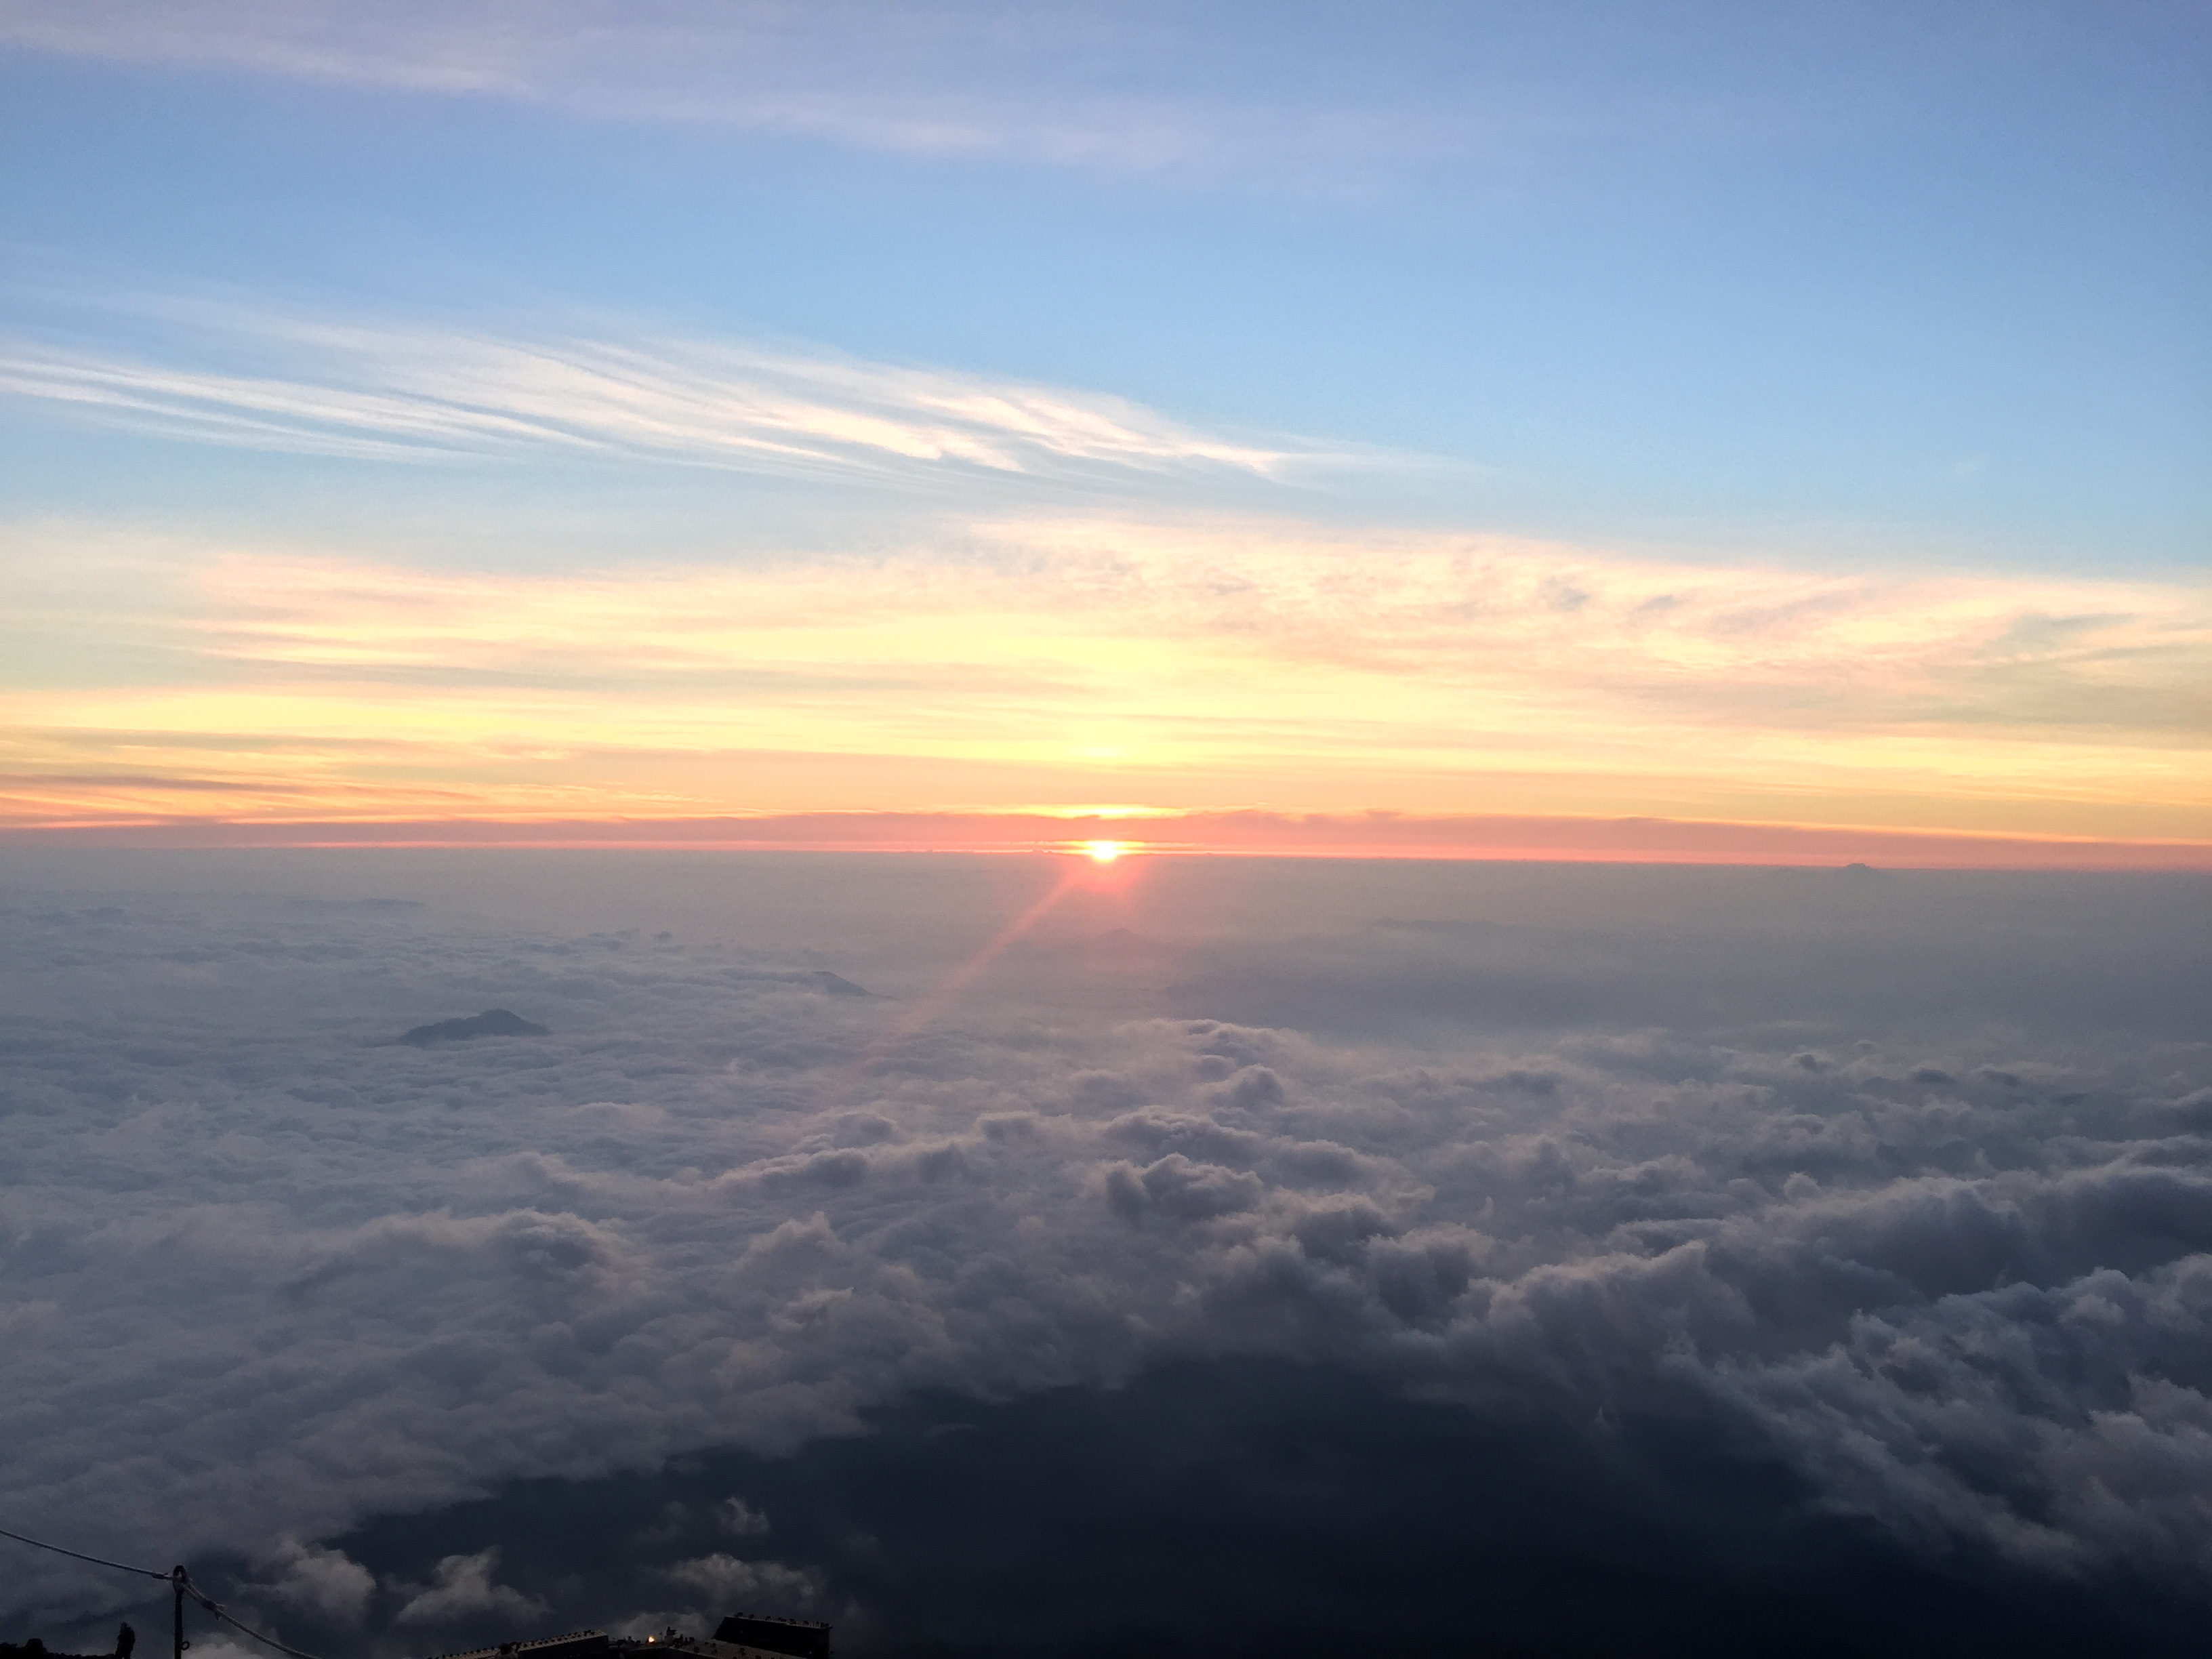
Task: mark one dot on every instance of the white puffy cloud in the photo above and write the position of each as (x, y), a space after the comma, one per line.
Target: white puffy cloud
(282, 1273)
(462, 1588)
(326, 1581)
(725, 1580)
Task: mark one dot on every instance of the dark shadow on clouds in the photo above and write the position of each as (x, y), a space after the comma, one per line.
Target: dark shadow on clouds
(1251, 1507)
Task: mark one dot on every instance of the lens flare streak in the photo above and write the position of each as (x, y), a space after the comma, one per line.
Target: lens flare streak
(935, 1001)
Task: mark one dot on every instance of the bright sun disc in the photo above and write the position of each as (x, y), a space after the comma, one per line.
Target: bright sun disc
(1102, 851)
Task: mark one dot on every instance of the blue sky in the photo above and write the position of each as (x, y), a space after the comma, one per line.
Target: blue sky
(1929, 270)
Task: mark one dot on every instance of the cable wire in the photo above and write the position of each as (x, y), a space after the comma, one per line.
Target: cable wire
(179, 1575)
(41, 1544)
(208, 1601)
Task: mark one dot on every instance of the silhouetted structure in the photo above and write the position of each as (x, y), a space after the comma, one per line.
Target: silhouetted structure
(800, 1637)
(125, 1639)
(741, 1636)
(569, 1644)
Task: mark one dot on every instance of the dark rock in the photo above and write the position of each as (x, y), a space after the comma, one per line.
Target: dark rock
(493, 1021)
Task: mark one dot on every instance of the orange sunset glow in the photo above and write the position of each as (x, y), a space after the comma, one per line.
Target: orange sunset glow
(1469, 679)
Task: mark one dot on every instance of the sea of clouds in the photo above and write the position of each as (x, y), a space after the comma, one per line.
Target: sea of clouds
(1904, 1180)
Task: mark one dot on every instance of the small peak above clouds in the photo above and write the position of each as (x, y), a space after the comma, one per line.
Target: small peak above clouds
(836, 985)
(493, 1021)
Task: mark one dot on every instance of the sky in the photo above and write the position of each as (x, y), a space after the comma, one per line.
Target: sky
(1693, 431)
(1669, 538)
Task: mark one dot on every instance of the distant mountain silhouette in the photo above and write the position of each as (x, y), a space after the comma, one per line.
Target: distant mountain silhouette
(836, 984)
(493, 1021)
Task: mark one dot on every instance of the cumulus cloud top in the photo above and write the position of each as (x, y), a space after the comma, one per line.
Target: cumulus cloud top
(462, 1588)
(280, 1274)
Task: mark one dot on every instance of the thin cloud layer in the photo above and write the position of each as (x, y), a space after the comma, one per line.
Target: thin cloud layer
(878, 78)
(269, 1271)
(396, 393)
(1191, 668)
(1114, 90)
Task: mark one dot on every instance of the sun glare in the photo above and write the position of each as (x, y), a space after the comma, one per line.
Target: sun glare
(1103, 852)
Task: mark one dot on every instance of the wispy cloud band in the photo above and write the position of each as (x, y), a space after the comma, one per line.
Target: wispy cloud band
(396, 394)
(1102, 88)
(1174, 667)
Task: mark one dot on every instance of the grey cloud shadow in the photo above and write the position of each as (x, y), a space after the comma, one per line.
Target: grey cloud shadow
(1252, 1507)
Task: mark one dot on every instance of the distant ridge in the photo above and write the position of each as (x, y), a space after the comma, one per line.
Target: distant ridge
(836, 984)
(493, 1021)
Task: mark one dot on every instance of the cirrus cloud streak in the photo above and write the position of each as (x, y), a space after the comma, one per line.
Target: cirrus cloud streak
(396, 392)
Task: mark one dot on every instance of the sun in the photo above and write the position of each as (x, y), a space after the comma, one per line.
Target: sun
(1103, 852)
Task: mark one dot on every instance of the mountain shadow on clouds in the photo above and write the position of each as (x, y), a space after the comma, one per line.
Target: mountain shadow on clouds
(1254, 1507)
(493, 1021)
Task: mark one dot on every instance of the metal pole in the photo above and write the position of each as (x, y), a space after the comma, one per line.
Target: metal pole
(177, 1580)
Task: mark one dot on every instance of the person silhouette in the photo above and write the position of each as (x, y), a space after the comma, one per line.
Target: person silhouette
(125, 1639)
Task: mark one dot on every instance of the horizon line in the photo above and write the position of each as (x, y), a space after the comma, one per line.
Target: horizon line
(1242, 833)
